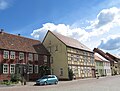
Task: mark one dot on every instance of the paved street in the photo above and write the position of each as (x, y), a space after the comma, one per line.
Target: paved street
(103, 84)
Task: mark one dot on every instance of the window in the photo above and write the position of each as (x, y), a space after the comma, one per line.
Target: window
(36, 57)
(75, 57)
(45, 58)
(52, 71)
(6, 55)
(30, 69)
(51, 60)
(77, 51)
(12, 55)
(49, 49)
(50, 42)
(30, 56)
(71, 50)
(36, 68)
(68, 49)
(21, 55)
(72, 58)
(5, 68)
(61, 71)
(12, 68)
(56, 48)
(69, 58)
(78, 57)
(92, 61)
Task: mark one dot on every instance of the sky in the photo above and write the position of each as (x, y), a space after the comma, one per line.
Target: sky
(95, 23)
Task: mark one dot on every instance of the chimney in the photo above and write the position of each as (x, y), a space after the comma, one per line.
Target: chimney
(1, 30)
(18, 34)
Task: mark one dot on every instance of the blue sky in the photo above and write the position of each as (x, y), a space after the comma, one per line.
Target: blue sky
(95, 23)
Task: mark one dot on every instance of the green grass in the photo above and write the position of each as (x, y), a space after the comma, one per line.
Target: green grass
(8, 83)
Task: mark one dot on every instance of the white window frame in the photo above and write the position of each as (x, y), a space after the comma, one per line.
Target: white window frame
(30, 56)
(36, 69)
(51, 60)
(61, 71)
(45, 58)
(5, 71)
(12, 69)
(6, 54)
(21, 55)
(12, 55)
(49, 49)
(36, 57)
(56, 48)
(30, 68)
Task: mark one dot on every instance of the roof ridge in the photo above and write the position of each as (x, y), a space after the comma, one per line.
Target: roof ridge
(20, 36)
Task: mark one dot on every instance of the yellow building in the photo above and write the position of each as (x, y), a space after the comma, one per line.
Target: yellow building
(69, 53)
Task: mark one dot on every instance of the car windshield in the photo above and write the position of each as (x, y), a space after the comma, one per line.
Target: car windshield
(44, 77)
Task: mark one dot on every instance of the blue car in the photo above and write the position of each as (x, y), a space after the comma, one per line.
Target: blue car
(47, 79)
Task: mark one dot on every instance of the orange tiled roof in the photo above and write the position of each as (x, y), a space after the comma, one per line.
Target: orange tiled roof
(18, 43)
(71, 42)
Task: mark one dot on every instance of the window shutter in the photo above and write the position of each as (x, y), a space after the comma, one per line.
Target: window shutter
(33, 69)
(1, 68)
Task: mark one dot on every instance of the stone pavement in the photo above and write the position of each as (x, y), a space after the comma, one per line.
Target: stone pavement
(111, 83)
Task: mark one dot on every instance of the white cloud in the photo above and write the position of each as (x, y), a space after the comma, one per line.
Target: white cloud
(111, 43)
(106, 19)
(63, 29)
(101, 27)
(3, 4)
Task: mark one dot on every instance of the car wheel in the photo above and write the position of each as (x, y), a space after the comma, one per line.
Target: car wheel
(56, 82)
(45, 83)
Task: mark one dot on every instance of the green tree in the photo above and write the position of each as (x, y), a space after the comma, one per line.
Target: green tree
(44, 70)
(70, 73)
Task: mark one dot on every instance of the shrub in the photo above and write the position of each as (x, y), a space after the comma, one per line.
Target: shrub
(15, 78)
(70, 73)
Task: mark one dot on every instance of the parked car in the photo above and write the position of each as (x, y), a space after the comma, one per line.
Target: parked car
(47, 79)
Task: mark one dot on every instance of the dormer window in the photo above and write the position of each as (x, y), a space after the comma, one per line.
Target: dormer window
(6, 55)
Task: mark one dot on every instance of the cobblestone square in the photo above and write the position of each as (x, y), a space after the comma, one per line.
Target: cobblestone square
(111, 83)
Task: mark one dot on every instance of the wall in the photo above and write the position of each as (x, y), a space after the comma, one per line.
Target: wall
(99, 67)
(57, 50)
(15, 61)
(107, 68)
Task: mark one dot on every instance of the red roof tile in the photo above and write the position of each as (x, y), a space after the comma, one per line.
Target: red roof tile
(19, 43)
